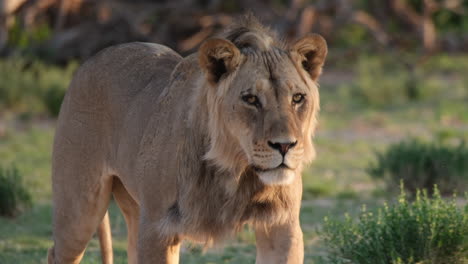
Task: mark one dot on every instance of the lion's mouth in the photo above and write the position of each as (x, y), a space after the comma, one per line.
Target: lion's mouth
(279, 175)
(279, 167)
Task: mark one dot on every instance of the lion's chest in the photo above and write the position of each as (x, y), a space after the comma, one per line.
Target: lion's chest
(216, 214)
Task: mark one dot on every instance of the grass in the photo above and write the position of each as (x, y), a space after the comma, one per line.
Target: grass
(29, 147)
(27, 238)
(336, 182)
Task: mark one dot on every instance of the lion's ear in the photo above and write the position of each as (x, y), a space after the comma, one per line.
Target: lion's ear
(311, 52)
(218, 57)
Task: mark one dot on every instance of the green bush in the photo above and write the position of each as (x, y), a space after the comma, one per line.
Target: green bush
(425, 231)
(53, 98)
(422, 165)
(13, 195)
(54, 82)
(33, 87)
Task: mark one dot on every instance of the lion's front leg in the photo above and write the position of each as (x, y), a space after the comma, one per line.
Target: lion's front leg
(152, 248)
(280, 244)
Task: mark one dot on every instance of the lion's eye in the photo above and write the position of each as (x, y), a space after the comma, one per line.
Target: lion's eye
(298, 98)
(251, 100)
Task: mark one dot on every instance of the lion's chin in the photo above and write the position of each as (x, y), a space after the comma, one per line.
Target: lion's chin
(280, 176)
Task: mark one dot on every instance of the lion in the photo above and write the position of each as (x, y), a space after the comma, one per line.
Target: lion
(191, 148)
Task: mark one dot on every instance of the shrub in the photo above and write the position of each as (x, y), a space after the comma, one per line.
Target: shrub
(33, 86)
(13, 194)
(53, 98)
(421, 165)
(54, 82)
(425, 231)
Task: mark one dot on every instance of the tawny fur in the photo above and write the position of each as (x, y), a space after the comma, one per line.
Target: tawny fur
(183, 154)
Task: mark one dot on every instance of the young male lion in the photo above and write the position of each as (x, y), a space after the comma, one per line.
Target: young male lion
(191, 148)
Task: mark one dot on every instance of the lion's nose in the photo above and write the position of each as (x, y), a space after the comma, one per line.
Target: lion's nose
(282, 147)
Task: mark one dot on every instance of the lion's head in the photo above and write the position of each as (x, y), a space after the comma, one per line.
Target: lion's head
(263, 100)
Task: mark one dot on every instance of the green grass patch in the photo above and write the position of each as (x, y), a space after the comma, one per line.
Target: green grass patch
(31, 151)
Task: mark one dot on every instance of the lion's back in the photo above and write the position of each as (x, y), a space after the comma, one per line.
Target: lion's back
(115, 76)
(106, 90)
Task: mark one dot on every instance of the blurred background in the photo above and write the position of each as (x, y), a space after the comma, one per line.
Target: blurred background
(394, 100)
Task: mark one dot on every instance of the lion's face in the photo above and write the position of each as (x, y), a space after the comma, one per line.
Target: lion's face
(268, 106)
(269, 110)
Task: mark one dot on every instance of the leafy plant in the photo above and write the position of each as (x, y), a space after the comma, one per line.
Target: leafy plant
(32, 86)
(13, 195)
(421, 165)
(53, 85)
(53, 98)
(427, 230)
